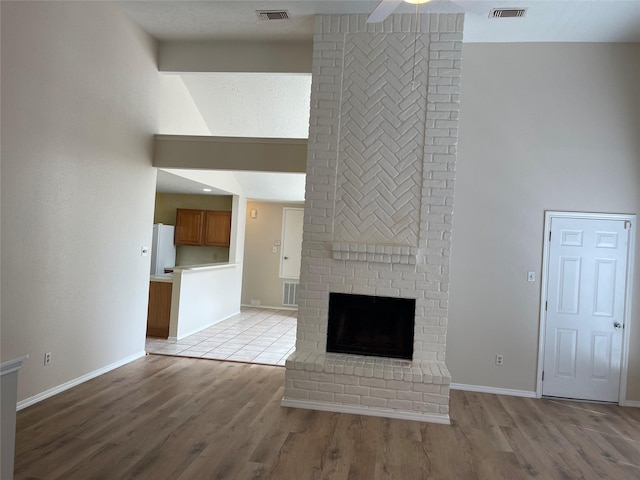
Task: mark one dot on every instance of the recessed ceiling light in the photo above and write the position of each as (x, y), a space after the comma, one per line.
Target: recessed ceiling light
(206, 189)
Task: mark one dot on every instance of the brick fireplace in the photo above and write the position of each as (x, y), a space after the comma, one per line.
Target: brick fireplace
(379, 205)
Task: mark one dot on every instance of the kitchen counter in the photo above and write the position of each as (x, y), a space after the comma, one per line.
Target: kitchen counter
(178, 270)
(167, 278)
(204, 266)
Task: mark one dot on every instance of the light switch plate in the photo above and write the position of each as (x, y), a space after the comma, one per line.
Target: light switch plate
(531, 276)
(144, 251)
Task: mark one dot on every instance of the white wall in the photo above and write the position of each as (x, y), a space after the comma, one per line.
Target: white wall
(264, 105)
(235, 56)
(542, 127)
(261, 276)
(202, 297)
(178, 112)
(79, 106)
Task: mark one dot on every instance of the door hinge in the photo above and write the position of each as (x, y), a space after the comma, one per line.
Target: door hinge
(627, 224)
(549, 235)
(543, 375)
(546, 305)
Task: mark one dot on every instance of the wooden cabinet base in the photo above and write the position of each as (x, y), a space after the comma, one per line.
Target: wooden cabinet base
(159, 310)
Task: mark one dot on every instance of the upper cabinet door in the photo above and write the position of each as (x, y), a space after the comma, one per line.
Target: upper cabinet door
(189, 227)
(217, 228)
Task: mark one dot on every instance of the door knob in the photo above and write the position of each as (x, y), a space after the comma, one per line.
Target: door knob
(286, 258)
(617, 325)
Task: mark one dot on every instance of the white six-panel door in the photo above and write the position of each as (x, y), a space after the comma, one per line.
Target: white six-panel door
(585, 308)
(292, 222)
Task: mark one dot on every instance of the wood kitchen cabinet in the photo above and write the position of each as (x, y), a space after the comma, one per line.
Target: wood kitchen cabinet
(159, 311)
(189, 227)
(217, 228)
(209, 228)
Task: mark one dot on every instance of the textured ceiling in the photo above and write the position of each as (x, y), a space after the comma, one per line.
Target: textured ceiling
(169, 183)
(545, 21)
(261, 186)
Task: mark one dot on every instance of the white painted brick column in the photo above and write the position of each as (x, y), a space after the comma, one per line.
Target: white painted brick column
(379, 206)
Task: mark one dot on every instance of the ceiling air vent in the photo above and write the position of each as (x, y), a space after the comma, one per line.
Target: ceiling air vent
(273, 14)
(507, 12)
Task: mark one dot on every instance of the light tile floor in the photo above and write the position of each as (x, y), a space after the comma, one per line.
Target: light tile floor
(255, 335)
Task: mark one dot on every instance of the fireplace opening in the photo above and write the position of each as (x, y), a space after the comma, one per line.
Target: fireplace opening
(368, 325)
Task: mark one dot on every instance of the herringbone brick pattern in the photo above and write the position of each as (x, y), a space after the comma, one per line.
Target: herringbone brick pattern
(382, 136)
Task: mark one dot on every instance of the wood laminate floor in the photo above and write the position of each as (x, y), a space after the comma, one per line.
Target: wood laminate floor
(181, 418)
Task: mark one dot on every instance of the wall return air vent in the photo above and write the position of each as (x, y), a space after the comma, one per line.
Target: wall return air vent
(507, 12)
(290, 294)
(272, 14)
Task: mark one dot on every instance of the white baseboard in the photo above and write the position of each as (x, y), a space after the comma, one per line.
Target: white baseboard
(76, 381)
(269, 307)
(371, 411)
(494, 390)
(519, 393)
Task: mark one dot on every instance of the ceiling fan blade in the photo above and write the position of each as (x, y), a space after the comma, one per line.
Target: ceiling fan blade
(383, 10)
(479, 7)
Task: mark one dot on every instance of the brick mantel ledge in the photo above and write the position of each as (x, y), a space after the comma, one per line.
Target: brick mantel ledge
(374, 252)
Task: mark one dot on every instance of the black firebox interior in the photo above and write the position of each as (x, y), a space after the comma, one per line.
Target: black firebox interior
(369, 325)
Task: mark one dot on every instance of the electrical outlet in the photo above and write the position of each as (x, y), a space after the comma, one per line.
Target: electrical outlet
(47, 358)
(499, 359)
(255, 303)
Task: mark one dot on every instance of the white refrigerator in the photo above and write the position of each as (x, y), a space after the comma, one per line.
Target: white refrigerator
(163, 251)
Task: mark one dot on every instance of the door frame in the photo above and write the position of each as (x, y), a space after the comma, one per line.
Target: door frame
(624, 364)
